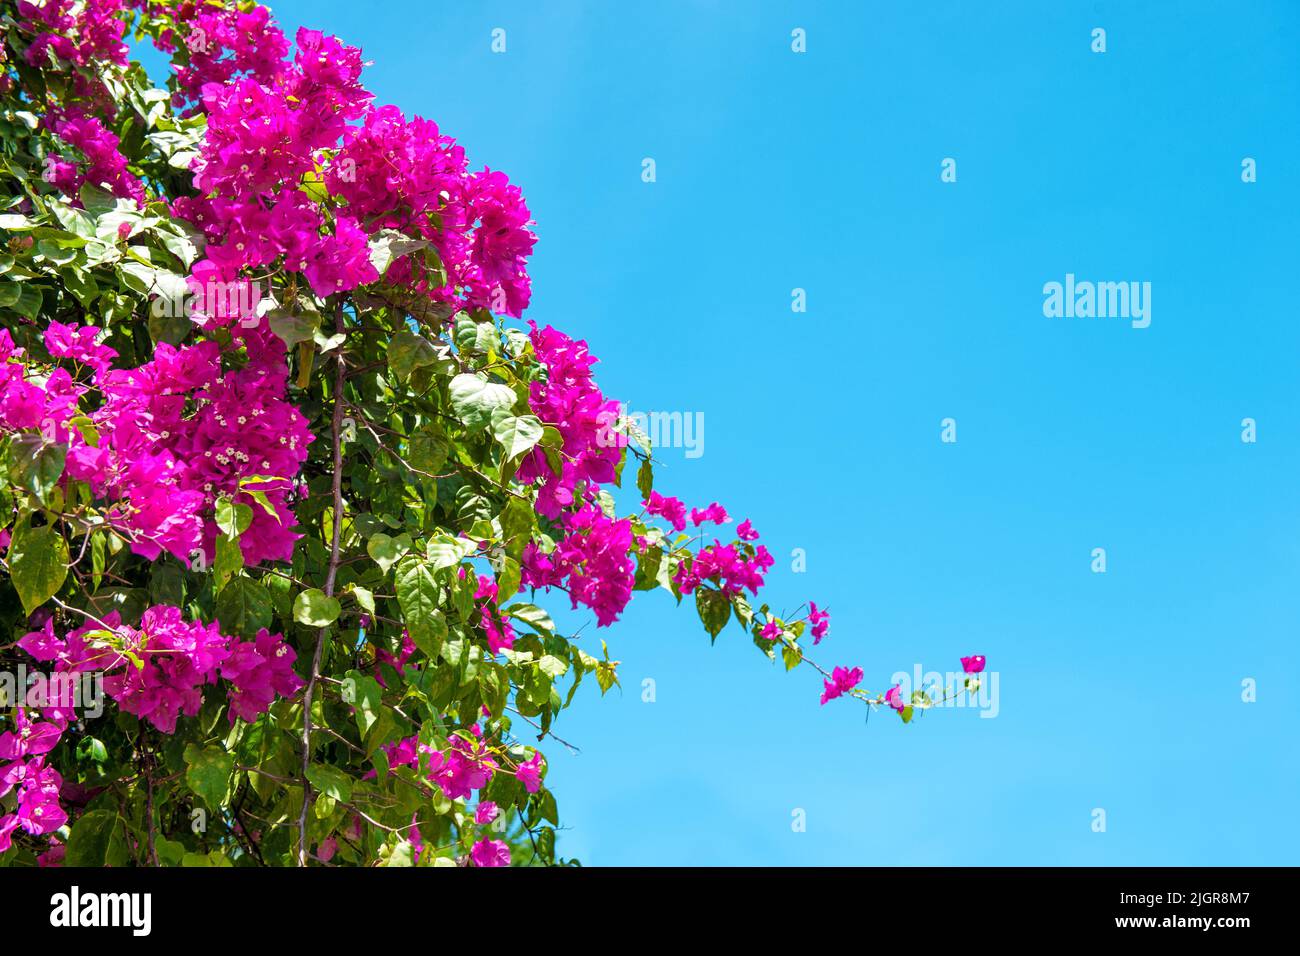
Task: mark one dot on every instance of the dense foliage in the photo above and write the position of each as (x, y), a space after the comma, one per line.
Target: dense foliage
(283, 474)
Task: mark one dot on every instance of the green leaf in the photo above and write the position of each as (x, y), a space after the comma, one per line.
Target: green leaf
(407, 352)
(244, 607)
(648, 564)
(546, 845)
(544, 807)
(213, 858)
(494, 687)
(330, 781)
(417, 594)
(606, 670)
(517, 434)
(170, 852)
(645, 479)
(390, 244)
(315, 608)
(385, 551)
(552, 666)
(171, 329)
(714, 609)
(228, 561)
(517, 520)
(509, 577)
(29, 301)
(35, 464)
(533, 616)
(365, 599)
(96, 201)
(445, 551)
(98, 838)
(233, 518)
(86, 426)
(428, 449)
(402, 854)
(364, 694)
(475, 399)
(38, 564)
(292, 329)
(167, 584)
(208, 774)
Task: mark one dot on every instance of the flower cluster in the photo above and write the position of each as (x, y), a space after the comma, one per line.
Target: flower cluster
(222, 43)
(490, 853)
(162, 442)
(500, 635)
(569, 400)
(670, 509)
(82, 32)
(274, 125)
(104, 166)
(821, 621)
(466, 765)
(157, 671)
(842, 681)
(22, 766)
(593, 561)
(734, 568)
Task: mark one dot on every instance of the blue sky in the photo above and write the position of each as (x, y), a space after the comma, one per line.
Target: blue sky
(777, 170)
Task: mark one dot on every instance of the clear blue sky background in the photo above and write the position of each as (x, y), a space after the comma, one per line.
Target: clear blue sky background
(775, 170)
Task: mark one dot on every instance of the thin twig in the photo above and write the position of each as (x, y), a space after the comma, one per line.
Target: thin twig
(340, 374)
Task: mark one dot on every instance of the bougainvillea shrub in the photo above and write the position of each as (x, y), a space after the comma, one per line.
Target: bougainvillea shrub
(287, 480)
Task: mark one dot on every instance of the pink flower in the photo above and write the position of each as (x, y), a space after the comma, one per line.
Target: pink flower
(258, 671)
(592, 561)
(771, 631)
(973, 665)
(38, 811)
(53, 856)
(173, 660)
(490, 853)
(728, 565)
(671, 509)
(328, 847)
(821, 622)
(342, 261)
(105, 165)
(485, 812)
(842, 681)
(714, 512)
(746, 532)
(29, 738)
(530, 772)
(894, 698)
(78, 344)
(500, 635)
(463, 768)
(569, 400)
